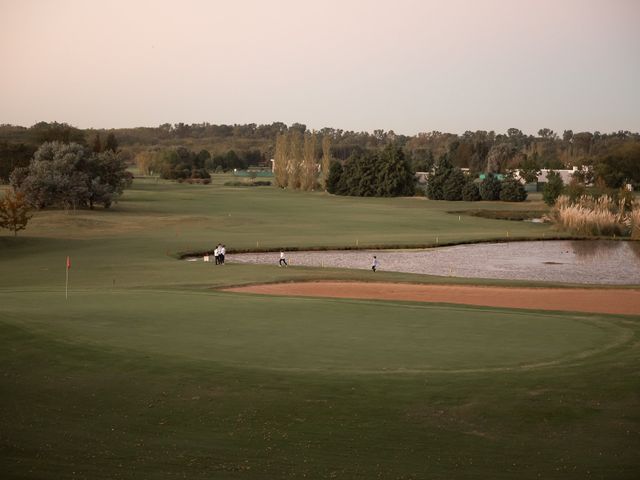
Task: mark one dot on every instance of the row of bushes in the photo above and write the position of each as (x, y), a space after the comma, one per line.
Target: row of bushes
(460, 187)
(257, 183)
(197, 181)
(450, 183)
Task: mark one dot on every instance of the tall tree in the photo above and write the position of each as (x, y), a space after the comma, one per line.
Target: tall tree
(309, 171)
(294, 159)
(499, 156)
(111, 143)
(553, 187)
(394, 175)
(97, 143)
(436, 181)
(490, 187)
(280, 170)
(326, 159)
(332, 181)
(529, 168)
(620, 166)
(453, 185)
(144, 160)
(365, 176)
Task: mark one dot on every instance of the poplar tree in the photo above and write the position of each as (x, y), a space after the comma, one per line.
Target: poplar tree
(97, 144)
(326, 159)
(309, 168)
(280, 160)
(294, 159)
(111, 143)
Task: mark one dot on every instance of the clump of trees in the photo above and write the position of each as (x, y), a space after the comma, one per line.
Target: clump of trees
(296, 163)
(231, 160)
(448, 182)
(14, 211)
(182, 164)
(384, 173)
(71, 176)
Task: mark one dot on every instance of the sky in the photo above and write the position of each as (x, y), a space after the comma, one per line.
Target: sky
(402, 65)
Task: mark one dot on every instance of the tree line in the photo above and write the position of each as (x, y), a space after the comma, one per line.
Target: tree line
(612, 157)
(182, 163)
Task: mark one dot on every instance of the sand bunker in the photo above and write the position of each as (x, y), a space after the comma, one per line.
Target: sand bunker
(616, 301)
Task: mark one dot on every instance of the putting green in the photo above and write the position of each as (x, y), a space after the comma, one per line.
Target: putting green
(319, 335)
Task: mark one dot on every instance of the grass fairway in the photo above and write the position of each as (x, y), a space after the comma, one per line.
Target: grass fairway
(146, 372)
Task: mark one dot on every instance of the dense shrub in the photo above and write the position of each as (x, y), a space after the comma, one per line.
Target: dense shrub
(180, 164)
(236, 183)
(470, 191)
(453, 185)
(333, 179)
(198, 181)
(512, 191)
(553, 188)
(437, 179)
(490, 188)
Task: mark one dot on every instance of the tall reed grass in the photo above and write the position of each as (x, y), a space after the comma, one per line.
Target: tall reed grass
(634, 222)
(601, 216)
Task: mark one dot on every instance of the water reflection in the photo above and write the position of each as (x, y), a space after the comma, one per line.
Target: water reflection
(587, 249)
(635, 248)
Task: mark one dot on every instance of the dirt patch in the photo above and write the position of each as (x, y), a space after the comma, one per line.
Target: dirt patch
(625, 302)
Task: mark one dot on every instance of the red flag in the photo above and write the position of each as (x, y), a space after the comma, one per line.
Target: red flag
(68, 263)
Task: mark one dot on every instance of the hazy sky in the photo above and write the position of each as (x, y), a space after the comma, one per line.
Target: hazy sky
(402, 65)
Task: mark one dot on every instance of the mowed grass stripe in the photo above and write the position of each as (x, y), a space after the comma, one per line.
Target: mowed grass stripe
(304, 334)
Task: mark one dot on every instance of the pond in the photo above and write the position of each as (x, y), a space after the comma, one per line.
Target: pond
(584, 261)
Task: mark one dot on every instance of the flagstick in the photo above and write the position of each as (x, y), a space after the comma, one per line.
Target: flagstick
(66, 285)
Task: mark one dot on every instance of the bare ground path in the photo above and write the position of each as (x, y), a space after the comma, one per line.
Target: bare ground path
(616, 301)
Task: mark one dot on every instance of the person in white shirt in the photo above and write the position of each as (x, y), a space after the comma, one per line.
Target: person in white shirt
(283, 261)
(216, 254)
(375, 264)
(223, 252)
